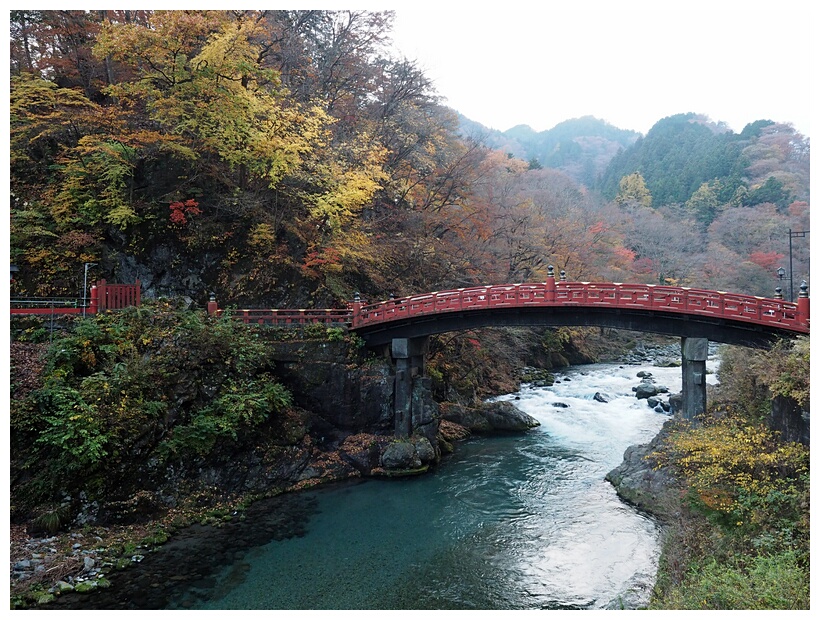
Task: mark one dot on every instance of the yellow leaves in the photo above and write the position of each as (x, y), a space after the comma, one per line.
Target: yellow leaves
(262, 235)
(121, 216)
(729, 458)
(40, 110)
(633, 190)
(230, 55)
(345, 179)
(353, 190)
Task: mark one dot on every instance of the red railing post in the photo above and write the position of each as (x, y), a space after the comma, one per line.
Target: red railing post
(95, 300)
(212, 305)
(550, 284)
(102, 295)
(803, 304)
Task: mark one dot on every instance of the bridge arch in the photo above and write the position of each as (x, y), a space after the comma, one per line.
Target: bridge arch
(728, 318)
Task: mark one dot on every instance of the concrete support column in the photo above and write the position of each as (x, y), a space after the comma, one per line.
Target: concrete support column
(694, 352)
(408, 356)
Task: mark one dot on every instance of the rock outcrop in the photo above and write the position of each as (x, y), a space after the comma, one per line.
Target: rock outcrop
(488, 417)
(637, 482)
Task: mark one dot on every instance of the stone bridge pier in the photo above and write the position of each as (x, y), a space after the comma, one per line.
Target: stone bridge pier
(694, 352)
(408, 357)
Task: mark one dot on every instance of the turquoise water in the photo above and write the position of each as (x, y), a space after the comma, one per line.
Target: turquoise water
(513, 522)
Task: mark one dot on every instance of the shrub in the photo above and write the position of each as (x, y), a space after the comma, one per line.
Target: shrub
(120, 385)
(764, 582)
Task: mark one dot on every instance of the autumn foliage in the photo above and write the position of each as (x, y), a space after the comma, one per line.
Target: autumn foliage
(181, 211)
(295, 146)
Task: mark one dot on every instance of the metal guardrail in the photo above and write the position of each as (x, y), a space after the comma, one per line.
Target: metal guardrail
(45, 302)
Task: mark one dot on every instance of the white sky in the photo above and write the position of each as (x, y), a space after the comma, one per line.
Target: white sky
(629, 62)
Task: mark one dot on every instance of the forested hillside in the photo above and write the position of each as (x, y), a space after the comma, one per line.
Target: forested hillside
(581, 148)
(286, 158)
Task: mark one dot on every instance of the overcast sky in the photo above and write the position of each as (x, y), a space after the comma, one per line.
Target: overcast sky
(629, 62)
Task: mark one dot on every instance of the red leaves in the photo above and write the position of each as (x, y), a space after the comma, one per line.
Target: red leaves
(768, 260)
(317, 261)
(179, 211)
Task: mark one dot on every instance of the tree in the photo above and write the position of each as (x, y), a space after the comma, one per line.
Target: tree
(771, 191)
(703, 204)
(665, 246)
(632, 191)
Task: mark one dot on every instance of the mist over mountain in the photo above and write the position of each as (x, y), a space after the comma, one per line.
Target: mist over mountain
(676, 156)
(581, 147)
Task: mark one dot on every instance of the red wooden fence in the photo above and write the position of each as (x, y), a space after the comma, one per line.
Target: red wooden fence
(103, 297)
(106, 296)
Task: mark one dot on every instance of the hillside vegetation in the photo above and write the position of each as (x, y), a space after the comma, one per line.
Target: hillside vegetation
(285, 158)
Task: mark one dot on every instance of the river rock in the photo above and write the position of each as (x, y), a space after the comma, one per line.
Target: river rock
(637, 482)
(488, 417)
(424, 449)
(362, 451)
(602, 397)
(470, 418)
(504, 416)
(645, 390)
(401, 455)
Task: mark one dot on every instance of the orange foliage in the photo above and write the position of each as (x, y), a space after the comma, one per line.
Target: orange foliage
(767, 260)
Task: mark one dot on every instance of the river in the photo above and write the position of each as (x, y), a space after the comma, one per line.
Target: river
(522, 521)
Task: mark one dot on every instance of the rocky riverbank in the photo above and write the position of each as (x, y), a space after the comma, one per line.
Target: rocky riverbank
(83, 558)
(316, 449)
(637, 480)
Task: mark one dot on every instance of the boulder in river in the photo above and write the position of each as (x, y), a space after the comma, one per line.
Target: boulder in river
(401, 455)
(504, 416)
(637, 482)
(488, 417)
(645, 390)
(601, 397)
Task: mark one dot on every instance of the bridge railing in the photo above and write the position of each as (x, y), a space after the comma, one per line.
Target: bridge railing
(776, 312)
(273, 316)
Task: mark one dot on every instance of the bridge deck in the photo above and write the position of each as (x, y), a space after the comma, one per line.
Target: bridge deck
(720, 316)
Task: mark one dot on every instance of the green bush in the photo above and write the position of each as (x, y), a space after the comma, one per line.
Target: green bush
(742, 541)
(122, 387)
(242, 404)
(764, 582)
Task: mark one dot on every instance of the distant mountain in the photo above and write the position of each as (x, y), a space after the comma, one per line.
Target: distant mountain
(581, 148)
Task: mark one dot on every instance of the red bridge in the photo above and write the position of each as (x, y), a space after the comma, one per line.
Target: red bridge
(695, 315)
(678, 311)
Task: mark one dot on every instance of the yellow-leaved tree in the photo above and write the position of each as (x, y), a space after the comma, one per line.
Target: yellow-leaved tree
(632, 191)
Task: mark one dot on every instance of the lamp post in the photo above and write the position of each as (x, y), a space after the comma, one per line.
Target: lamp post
(781, 274)
(85, 283)
(793, 234)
